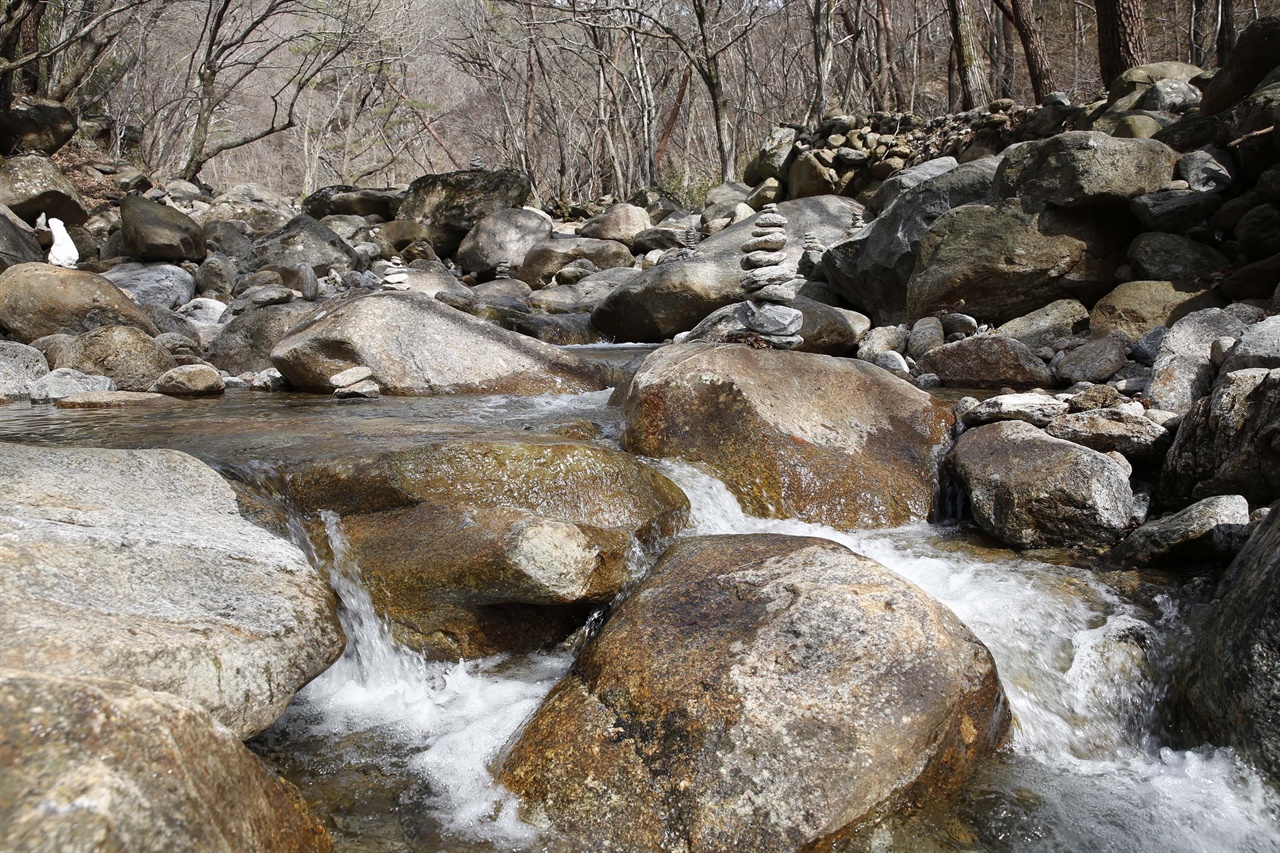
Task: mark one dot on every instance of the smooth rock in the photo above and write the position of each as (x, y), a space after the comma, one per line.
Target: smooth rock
(63, 382)
(505, 235)
(1083, 168)
(39, 299)
(1200, 533)
(244, 345)
(1040, 328)
(129, 356)
(302, 240)
(112, 400)
(832, 441)
(545, 259)
(451, 204)
(1134, 308)
(136, 565)
(189, 380)
(987, 361)
(1135, 436)
(93, 765)
(1030, 490)
(165, 285)
(1172, 257)
(823, 687)
(415, 345)
(156, 232)
(20, 367)
(1183, 369)
(1035, 409)
(1096, 361)
(30, 184)
(473, 544)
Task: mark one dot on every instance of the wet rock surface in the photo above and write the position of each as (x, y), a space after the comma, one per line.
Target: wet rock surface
(653, 737)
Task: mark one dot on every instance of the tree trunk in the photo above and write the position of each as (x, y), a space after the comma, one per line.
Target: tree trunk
(1121, 39)
(1038, 67)
(884, 47)
(1226, 30)
(822, 22)
(973, 84)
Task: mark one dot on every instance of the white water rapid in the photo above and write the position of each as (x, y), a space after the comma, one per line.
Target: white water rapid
(1080, 666)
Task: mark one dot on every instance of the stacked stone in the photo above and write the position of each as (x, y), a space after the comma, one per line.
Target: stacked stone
(395, 275)
(503, 270)
(769, 278)
(811, 257)
(771, 283)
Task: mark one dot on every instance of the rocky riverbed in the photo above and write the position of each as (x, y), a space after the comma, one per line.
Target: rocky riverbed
(916, 496)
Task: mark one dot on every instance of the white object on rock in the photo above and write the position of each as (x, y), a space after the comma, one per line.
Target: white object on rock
(64, 252)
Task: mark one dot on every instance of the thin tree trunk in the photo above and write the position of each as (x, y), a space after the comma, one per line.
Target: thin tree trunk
(1226, 30)
(821, 20)
(885, 44)
(1121, 39)
(973, 84)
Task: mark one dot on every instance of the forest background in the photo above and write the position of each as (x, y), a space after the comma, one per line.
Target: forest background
(590, 99)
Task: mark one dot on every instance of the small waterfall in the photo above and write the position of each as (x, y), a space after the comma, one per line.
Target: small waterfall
(439, 725)
(1084, 673)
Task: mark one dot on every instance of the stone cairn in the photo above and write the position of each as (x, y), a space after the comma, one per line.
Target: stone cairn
(395, 275)
(772, 284)
(503, 271)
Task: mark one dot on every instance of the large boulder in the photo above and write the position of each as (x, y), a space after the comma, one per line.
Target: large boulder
(347, 200)
(102, 765)
(1134, 308)
(30, 184)
(1171, 257)
(472, 544)
(1030, 490)
(1096, 360)
(1226, 443)
(1084, 168)
(35, 124)
(1198, 534)
(505, 235)
(987, 361)
(415, 344)
(1228, 687)
(675, 296)
(40, 299)
(872, 268)
(18, 243)
(1184, 370)
(129, 357)
(1109, 430)
(621, 222)
(1001, 262)
(135, 565)
(151, 231)
(301, 242)
(793, 435)
(1251, 59)
(547, 257)
(452, 204)
(1259, 346)
(258, 207)
(162, 285)
(822, 691)
(244, 345)
(1044, 326)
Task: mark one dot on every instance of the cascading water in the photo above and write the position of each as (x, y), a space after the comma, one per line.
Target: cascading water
(1082, 674)
(440, 725)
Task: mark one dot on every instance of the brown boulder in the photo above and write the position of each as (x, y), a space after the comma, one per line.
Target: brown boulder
(987, 361)
(129, 356)
(758, 693)
(89, 766)
(40, 299)
(835, 441)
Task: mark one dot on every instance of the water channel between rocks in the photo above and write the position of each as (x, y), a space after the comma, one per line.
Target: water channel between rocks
(396, 752)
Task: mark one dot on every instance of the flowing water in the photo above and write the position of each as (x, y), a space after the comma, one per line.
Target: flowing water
(396, 753)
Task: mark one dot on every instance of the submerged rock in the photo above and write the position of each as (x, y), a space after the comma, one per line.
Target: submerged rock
(820, 691)
(103, 765)
(477, 544)
(835, 441)
(135, 565)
